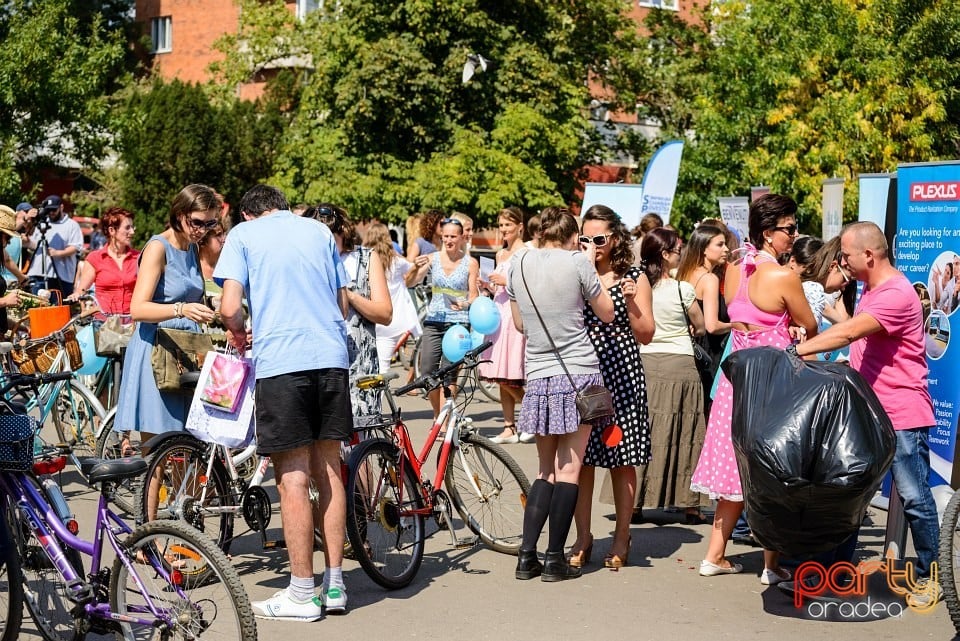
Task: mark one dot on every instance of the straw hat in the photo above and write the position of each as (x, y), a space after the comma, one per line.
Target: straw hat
(8, 221)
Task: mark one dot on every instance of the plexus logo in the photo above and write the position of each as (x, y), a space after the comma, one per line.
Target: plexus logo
(841, 590)
(935, 191)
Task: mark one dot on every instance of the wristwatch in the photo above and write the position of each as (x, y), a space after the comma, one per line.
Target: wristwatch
(792, 350)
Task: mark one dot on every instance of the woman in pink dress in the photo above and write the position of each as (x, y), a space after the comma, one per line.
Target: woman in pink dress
(763, 300)
(506, 354)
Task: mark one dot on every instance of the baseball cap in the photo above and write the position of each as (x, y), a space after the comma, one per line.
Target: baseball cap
(24, 206)
(51, 202)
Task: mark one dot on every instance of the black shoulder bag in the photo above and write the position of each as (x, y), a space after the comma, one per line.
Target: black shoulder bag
(701, 356)
(593, 401)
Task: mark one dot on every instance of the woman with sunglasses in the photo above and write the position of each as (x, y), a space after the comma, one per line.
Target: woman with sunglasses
(453, 283)
(763, 299)
(370, 305)
(625, 445)
(168, 293)
(674, 390)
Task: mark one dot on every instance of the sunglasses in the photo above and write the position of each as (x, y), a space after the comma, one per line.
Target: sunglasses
(198, 223)
(843, 272)
(789, 230)
(599, 241)
(451, 221)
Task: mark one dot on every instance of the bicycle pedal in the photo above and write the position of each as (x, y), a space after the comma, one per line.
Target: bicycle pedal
(466, 544)
(279, 544)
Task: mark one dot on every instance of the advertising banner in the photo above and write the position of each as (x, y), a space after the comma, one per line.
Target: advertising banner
(735, 214)
(832, 208)
(874, 189)
(927, 247)
(621, 198)
(660, 180)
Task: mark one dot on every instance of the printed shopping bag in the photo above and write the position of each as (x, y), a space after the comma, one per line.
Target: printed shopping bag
(222, 389)
(214, 424)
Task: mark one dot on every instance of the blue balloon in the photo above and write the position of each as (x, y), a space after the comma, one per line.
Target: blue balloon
(456, 343)
(476, 339)
(484, 315)
(91, 362)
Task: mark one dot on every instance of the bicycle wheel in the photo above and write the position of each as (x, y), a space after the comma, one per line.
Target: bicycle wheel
(109, 446)
(77, 414)
(489, 490)
(44, 589)
(177, 468)
(11, 585)
(166, 558)
(386, 539)
(949, 559)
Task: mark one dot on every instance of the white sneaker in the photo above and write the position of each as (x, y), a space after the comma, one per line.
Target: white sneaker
(926, 595)
(773, 577)
(335, 600)
(527, 438)
(281, 606)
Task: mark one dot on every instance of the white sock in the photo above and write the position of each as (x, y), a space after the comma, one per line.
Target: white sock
(300, 589)
(333, 578)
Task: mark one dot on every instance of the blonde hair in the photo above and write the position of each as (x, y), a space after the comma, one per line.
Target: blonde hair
(378, 239)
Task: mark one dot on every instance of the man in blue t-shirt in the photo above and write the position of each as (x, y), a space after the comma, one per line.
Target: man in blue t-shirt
(289, 270)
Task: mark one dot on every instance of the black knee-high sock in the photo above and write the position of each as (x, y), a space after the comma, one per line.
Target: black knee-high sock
(535, 514)
(561, 515)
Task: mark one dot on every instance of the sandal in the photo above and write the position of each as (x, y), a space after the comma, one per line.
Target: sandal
(125, 448)
(507, 436)
(696, 518)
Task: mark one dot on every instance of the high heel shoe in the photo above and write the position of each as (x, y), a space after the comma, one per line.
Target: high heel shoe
(581, 558)
(615, 561)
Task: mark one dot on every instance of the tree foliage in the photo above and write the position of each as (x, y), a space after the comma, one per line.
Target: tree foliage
(59, 62)
(172, 134)
(383, 123)
(788, 93)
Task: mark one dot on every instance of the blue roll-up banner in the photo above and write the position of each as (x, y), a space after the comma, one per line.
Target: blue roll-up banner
(927, 249)
(874, 190)
(660, 180)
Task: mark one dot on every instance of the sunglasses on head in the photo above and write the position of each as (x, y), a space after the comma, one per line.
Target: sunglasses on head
(599, 240)
(199, 223)
(451, 221)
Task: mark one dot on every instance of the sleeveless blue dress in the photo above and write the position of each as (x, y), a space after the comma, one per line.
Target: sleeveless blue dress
(141, 406)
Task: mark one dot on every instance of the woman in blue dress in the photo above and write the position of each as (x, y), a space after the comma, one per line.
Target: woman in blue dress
(168, 293)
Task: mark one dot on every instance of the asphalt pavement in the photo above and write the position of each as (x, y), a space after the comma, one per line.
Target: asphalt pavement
(472, 594)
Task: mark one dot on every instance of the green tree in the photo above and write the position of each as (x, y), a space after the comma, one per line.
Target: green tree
(383, 123)
(59, 62)
(171, 135)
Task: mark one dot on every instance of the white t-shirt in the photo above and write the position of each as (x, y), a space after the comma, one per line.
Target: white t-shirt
(671, 335)
(404, 311)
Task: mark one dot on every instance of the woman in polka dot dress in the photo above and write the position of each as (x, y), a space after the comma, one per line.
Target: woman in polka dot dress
(766, 299)
(625, 444)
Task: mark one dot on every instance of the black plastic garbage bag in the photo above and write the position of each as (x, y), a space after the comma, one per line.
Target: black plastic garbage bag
(812, 443)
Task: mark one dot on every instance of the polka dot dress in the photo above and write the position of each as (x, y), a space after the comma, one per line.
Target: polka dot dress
(622, 371)
(717, 474)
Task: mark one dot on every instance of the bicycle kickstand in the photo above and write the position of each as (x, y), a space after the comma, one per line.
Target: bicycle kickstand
(458, 543)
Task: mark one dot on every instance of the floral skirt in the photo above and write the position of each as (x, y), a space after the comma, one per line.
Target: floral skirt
(550, 405)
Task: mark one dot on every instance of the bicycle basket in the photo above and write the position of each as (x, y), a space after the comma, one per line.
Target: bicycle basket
(16, 442)
(39, 356)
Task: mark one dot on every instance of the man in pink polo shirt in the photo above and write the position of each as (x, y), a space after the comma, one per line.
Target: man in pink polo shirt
(887, 347)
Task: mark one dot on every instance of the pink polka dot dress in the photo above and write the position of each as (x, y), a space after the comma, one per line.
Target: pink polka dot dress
(716, 474)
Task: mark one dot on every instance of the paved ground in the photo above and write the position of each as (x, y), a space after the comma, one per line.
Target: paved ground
(471, 594)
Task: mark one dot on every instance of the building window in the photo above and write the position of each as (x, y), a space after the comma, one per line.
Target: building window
(672, 5)
(307, 6)
(161, 33)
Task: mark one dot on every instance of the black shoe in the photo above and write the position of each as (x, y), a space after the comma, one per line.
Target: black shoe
(745, 540)
(556, 568)
(637, 517)
(528, 566)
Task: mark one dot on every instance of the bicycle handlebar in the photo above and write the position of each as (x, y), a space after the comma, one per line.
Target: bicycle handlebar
(435, 379)
(12, 380)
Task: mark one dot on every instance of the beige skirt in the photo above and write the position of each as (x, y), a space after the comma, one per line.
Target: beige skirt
(677, 429)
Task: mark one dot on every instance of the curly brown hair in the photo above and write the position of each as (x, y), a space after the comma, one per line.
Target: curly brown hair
(621, 256)
(428, 224)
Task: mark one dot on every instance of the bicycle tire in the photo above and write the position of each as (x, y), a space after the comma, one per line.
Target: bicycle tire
(198, 605)
(44, 590)
(11, 585)
(77, 414)
(123, 493)
(495, 514)
(949, 558)
(388, 545)
(177, 457)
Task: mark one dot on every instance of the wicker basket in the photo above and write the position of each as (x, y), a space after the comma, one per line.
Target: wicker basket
(39, 356)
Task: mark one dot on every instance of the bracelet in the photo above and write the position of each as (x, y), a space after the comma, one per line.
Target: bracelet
(178, 310)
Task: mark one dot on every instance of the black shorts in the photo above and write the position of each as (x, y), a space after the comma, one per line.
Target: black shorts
(297, 409)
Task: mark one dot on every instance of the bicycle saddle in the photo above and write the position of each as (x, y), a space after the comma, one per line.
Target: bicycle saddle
(99, 470)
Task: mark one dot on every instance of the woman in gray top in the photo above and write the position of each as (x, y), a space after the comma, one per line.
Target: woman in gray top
(555, 281)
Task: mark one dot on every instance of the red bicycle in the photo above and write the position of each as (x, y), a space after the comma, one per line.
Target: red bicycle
(390, 498)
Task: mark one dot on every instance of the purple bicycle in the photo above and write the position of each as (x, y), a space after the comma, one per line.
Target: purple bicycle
(166, 580)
